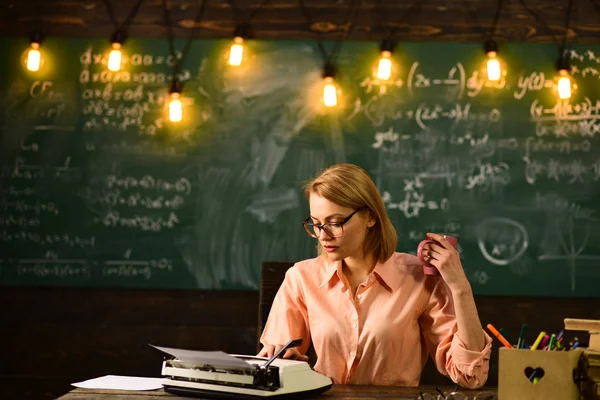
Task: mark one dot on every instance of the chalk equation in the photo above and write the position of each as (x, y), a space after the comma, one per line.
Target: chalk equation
(36, 207)
(54, 267)
(413, 202)
(502, 240)
(113, 219)
(118, 198)
(47, 239)
(149, 182)
(542, 146)
(31, 172)
(569, 171)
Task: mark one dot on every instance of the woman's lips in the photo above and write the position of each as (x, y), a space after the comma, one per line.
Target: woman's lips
(329, 249)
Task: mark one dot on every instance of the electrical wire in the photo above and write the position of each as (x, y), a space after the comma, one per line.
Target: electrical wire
(330, 58)
(567, 23)
(496, 17)
(188, 42)
(392, 31)
(127, 21)
(236, 12)
(539, 19)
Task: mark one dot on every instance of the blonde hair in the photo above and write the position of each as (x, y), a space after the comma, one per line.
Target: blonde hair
(350, 186)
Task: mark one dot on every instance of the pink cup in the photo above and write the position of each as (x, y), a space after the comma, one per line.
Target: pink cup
(429, 269)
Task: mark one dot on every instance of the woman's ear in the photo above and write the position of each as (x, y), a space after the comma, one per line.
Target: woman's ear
(371, 221)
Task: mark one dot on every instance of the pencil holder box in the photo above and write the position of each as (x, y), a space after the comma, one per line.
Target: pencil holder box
(538, 374)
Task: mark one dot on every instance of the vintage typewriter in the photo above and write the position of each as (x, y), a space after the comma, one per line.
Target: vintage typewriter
(218, 375)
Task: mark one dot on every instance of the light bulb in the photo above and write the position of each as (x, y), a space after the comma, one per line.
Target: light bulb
(564, 85)
(384, 69)
(329, 92)
(175, 107)
(34, 57)
(236, 53)
(114, 58)
(493, 67)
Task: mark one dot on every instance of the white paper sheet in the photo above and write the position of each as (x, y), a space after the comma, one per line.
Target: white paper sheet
(216, 358)
(119, 382)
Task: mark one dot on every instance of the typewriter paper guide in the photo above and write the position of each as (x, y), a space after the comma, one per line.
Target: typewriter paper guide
(218, 358)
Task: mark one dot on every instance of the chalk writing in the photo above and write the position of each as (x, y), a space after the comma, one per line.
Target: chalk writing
(476, 83)
(370, 83)
(587, 55)
(534, 82)
(47, 239)
(113, 219)
(21, 222)
(488, 176)
(135, 268)
(572, 171)
(36, 207)
(538, 145)
(49, 268)
(480, 277)
(89, 57)
(455, 79)
(502, 240)
(148, 182)
(116, 197)
(137, 148)
(552, 202)
(413, 202)
(21, 170)
(18, 192)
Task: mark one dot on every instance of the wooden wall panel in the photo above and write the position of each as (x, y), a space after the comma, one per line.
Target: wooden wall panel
(54, 336)
(440, 20)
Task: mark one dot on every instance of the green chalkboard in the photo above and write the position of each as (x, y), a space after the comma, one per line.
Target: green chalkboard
(98, 189)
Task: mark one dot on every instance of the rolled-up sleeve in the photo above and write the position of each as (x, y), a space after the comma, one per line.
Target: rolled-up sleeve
(288, 318)
(465, 367)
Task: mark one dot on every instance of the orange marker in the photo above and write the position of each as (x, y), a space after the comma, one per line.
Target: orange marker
(499, 336)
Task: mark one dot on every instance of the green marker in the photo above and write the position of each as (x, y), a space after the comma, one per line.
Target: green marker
(552, 342)
(521, 342)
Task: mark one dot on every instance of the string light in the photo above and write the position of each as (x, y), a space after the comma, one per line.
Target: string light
(175, 104)
(493, 68)
(564, 83)
(114, 58)
(34, 55)
(236, 52)
(384, 67)
(329, 88)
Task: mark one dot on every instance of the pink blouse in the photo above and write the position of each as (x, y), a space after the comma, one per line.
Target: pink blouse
(380, 336)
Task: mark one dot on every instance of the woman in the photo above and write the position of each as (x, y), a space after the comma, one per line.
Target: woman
(372, 314)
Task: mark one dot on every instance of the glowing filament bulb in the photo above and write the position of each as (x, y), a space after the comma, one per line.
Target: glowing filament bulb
(34, 57)
(493, 67)
(175, 108)
(384, 69)
(329, 92)
(114, 58)
(236, 53)
(564, 85)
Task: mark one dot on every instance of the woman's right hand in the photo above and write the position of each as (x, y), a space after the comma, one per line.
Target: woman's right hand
(292, 353)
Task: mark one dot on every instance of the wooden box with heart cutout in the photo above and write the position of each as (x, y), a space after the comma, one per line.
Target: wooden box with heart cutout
(538, 374)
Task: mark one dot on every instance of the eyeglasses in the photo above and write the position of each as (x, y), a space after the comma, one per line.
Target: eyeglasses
(333, 229)
(454, 395)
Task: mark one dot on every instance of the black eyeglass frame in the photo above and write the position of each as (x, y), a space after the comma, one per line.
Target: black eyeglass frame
(307, 222)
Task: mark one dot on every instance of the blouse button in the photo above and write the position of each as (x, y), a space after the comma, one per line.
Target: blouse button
(358, 296)
(354, 325)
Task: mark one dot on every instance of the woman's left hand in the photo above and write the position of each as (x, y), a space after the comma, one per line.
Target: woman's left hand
(445, 258)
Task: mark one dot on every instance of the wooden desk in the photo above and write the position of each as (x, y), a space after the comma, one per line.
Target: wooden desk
(346, 392)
